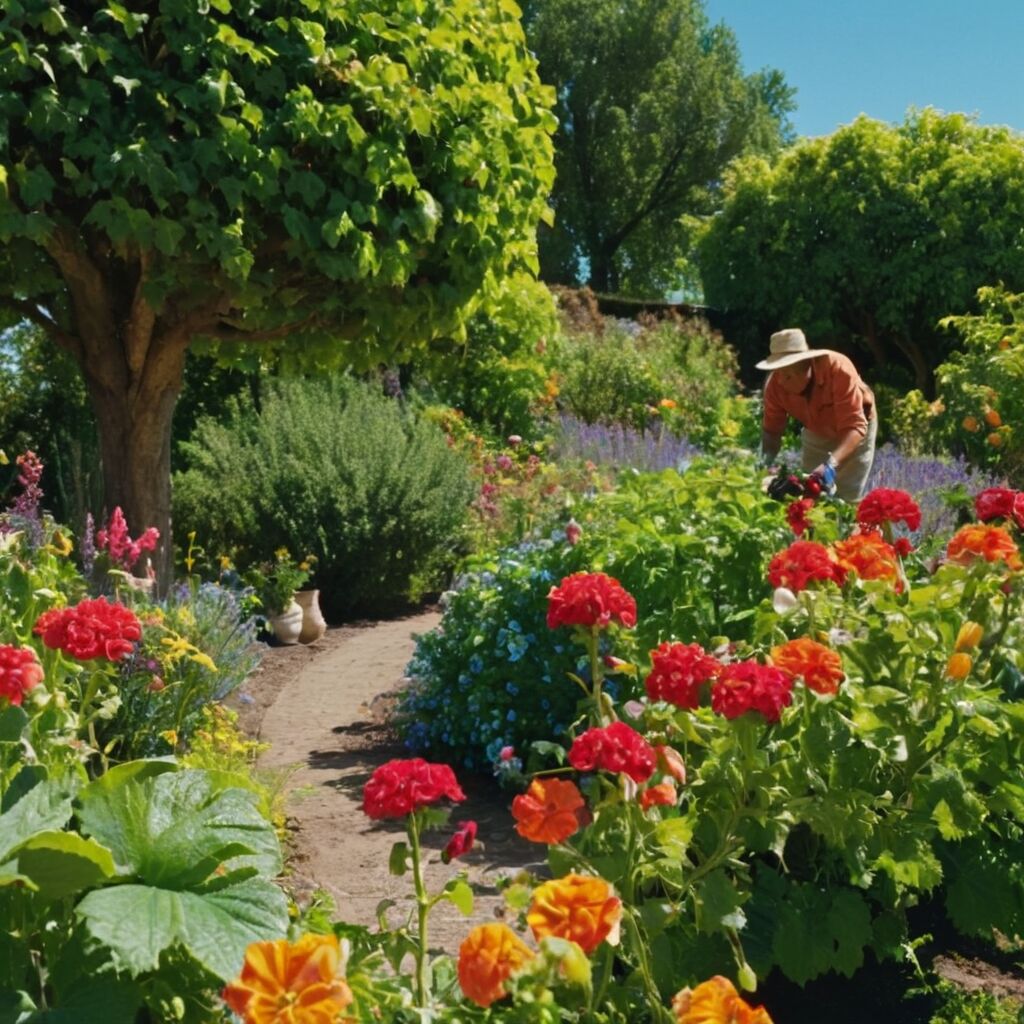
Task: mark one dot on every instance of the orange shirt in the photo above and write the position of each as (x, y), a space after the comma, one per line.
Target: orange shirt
(836, 400)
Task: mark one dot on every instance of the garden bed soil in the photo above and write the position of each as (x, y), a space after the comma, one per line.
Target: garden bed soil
(326, 709)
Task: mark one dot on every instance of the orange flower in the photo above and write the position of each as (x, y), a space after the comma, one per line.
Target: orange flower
(577, 907)
(979, 540)
(958, 666)
(969, 636)
(992, 418)
(994, 439)
(670, 762)
(662, 795)
(286, 982)
(820, 667)
(970, 424)
(716, 1001)
(488, 957)
(550, 811)
(668, 403)
(869, 556)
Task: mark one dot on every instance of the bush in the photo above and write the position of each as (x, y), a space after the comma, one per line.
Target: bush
(982, 385)
(331, 468)
(692, 550)
(501, 380)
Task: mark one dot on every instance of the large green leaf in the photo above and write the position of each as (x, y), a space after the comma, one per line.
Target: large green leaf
(44, 807)
(61, 863)
(175, 830)
(139, 922)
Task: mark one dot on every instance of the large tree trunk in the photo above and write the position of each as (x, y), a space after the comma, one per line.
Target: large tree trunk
(134, 423)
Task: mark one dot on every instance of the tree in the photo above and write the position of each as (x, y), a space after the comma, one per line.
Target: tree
(329, 180)
(652, 105)
(867, 237)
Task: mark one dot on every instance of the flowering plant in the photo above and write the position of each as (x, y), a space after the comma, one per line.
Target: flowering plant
(114, 539)
(275, 582)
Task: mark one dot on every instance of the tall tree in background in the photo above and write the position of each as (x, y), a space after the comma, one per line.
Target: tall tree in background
(342, 180)
(867, 237)
(652, 105)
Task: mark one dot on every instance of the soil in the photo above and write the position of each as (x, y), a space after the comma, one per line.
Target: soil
(325, 711)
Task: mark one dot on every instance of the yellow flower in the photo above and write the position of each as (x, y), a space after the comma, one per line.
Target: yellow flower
(171, 735)
(225, 563)
(3, 458)
(61, 544)
(281, 554)
(203, 659)
(969, 636)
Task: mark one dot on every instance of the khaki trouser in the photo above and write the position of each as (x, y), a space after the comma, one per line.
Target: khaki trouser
(852, 475)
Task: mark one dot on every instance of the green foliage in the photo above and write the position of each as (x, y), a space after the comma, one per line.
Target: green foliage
(691, 549)
(675, 369)
(982, 384)
(500, 380)
(960, 1007)
(866, 237)
(331, 468)
(652, 104)
(276, 581)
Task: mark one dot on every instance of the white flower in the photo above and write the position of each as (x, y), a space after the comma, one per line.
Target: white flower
(784, 601)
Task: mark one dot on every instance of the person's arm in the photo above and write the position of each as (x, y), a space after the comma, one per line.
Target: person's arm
(851, 423)
(770, 445)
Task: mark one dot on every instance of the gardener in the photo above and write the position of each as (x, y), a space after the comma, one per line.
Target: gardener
(823, 391)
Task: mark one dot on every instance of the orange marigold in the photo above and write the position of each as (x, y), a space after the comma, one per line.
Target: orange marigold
(980, 540)
(488, 957)
(716, 1001)
(820, 667)
(870, 556)
(959, 665)
(286, 982)
(969, 636)
(578, 907)
(550, 811)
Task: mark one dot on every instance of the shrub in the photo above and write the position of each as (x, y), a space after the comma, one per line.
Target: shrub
(501, 380)
(982, 385)
(691, 548)
(331, 468)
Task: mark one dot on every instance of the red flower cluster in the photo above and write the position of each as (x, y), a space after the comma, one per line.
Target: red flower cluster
(614, 748)
(821, 668)
(747, 686)
(804, 562)
(460, 843)
(115, 540)
(1000, 503)
(590, 599)
(870, 557)
(20, 672)
(796, 515)
(888, 505)
(90, 629)
(678, 671)
(399, 787)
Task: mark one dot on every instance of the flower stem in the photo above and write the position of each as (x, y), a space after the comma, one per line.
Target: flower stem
(422, 910)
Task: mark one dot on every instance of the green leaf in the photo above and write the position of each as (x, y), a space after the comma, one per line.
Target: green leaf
(174, 830)
(138, 923)
(46, 806)
(459, 893)
(62, 863)
(719, 903)
(12, 720)
(398, 862)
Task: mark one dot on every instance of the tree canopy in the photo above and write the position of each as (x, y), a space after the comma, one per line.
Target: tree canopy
(336, 180)
(652, 105)
(868, 237)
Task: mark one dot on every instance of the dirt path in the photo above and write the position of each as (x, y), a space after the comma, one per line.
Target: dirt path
(328, 717)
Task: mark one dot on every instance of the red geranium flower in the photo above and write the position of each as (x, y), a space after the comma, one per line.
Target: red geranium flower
(796, 515)
(590, 599)
(613, 748)
(678, 671)
(994, 503)
(662, 795)
(902, 546)
(20, 672)
(90, 629)
(460, 843)
(747, 686)
(888, 505)
(399, 787)
(804, 562)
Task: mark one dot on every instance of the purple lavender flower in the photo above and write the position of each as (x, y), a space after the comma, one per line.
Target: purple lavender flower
(89, 545)
(620, 447)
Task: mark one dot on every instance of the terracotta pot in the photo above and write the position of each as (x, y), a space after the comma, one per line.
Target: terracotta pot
(313, 624)
(288, 624)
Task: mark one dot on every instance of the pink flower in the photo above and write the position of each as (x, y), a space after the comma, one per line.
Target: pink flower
(116, 541)
(506, 753)
(573, 532)
(460, 843)
(514, 440)
(504, 463)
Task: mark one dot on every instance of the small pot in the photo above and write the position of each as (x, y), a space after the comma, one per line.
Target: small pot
(313, 624)
(288, 624)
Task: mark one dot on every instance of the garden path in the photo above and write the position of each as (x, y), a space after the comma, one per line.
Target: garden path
(329, 718)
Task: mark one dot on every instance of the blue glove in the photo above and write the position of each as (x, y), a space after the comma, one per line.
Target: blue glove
(826, 474)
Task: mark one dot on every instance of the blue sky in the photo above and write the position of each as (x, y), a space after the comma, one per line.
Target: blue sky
(878, 57)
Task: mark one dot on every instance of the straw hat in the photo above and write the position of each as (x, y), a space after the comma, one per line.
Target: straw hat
(787, 347)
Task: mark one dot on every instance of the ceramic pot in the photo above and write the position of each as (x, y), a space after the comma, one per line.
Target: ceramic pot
(313, 624)
(288, 624)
